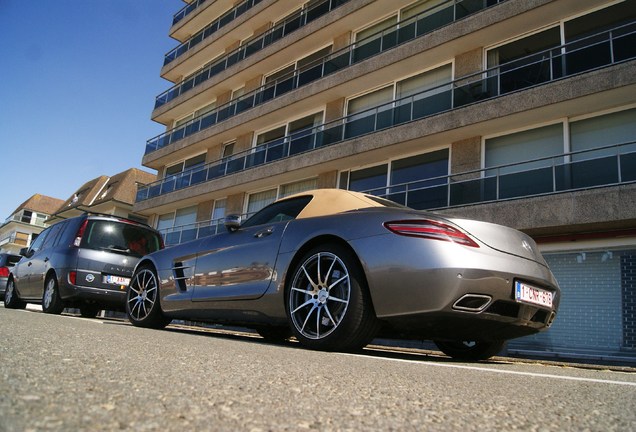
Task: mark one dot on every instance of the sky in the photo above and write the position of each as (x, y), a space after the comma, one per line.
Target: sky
(78, 80)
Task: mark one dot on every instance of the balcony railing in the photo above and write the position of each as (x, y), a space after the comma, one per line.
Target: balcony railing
(604, 166)
(503, 79)
(274, 34)
(186, 10)
(426, 22)
(210, 29)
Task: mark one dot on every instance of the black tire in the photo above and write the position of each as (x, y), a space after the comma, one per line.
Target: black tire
(51, 301)
(11, 297)
(274, 334)
(89, 311)
(327, 301)
(142, 300)
(470, 350)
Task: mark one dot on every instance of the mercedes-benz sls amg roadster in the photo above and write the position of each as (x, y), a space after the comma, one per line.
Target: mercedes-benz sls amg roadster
(335, 269)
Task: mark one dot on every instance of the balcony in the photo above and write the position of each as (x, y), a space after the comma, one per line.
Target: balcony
(403, 32)
(209, 30)
(600, 50)
(568, 172)
(603, 166)
(186, 10)
(273, 35)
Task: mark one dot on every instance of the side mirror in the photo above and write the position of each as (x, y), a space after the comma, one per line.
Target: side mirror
(23, 251)
(232, 223)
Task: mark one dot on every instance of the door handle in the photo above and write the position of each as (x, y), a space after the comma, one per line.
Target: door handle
(264, 233)
(46, 259)
(29, 264)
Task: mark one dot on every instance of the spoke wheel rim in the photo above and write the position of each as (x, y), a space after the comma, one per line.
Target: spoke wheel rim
(8, 295)
(319, 295)
(48, 293)
(142, 294)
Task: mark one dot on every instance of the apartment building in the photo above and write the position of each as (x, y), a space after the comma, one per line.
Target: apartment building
(519, 112)
(26, 222)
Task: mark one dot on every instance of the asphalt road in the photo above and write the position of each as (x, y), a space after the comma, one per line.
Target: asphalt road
(67, 373)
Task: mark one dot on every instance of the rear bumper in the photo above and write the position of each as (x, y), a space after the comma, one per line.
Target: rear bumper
(113, 298)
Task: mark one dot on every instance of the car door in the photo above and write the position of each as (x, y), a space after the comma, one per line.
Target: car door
(27, 270)
(241, 264)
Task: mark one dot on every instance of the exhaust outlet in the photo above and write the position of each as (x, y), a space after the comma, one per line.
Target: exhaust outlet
(472, 303)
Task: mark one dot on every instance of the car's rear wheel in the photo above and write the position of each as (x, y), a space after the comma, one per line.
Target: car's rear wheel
(11, 298)
(142, 300)
(470, 350)
(328, 303)
(51, 301)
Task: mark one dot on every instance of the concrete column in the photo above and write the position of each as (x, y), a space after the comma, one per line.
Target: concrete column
(327, 180)
(234, 203)
(466, 156)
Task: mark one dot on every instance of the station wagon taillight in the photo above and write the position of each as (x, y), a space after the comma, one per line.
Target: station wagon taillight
(80, 233)
(4, 271)
(429, 229)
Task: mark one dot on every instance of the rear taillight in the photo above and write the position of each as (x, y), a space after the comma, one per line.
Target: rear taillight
(80, 233)
(4, 271)
(429, 229)
(72, 277)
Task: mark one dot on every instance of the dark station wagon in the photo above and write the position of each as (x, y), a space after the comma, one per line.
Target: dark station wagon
(84, 262)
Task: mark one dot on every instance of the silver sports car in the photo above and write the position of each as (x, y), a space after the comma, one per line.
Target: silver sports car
(336, 268)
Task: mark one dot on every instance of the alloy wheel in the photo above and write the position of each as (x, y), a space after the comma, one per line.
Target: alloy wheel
(319, 295)
(142, 294)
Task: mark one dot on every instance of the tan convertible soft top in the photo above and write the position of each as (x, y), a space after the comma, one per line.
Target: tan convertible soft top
(331, 201)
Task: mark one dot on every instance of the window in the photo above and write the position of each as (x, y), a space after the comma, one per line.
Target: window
(375, 28)
(228, 150)
(120, 237)
(423, 7)
(186, 165)
(297, 187)
(219, 209)
(26, 216)
(36, 244)
(525, 178)
(179, 226)
(413, 181)
(53, 235)
(615, 128)
(301, 137)
(257, 201)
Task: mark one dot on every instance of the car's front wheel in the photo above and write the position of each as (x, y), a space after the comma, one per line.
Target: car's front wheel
(142, 300)
(51, 300)
(11, 298)
(470, 350)
(328, 303)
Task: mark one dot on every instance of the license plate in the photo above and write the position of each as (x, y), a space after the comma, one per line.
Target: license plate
(529, 294)
(116, 280)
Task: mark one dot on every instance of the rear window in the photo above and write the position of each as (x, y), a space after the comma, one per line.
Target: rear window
(120, 237)
(9, 260)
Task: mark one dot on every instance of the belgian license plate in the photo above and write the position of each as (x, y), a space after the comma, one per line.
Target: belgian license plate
(116, 280)
(529, 294)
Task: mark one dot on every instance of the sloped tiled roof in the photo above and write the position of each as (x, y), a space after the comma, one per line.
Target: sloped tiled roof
(40, 204)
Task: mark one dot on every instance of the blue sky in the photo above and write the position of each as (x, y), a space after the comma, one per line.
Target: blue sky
(78, 79)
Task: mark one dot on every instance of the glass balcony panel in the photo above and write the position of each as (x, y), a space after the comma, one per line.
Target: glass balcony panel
(336, 63)
(226, 19)
(317, 11)
(235, 165)
(226, 112)
(628, 167)
(210, 30)
(427, 197)
(360, 126)
(142, 194)
(257, 157)
(216, 171)
(254, 46)
(196, 39)
(284, 86)
(202, 76)
(206, 231)
(167, 185)
(193, 127)
(172, 238)
(244, 104)
(587, 173)
(525, 183)
(275, 35)
(292, 25)
(624, 43)
(177, 134)
(276, 150)
(471, 93)
(367, 49)
(301, 142)
(433, 104)
(266, 94)
(187, 85)
(473, 191)
(154, 190)
(406, 32)
(385, 118)
(428, 23)
(199, 176)
(329, 135)
(582, 56)
(310, 74)
(208, 120)
(217, 68)
(468, 7)
(182, 180)
(389, 39)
